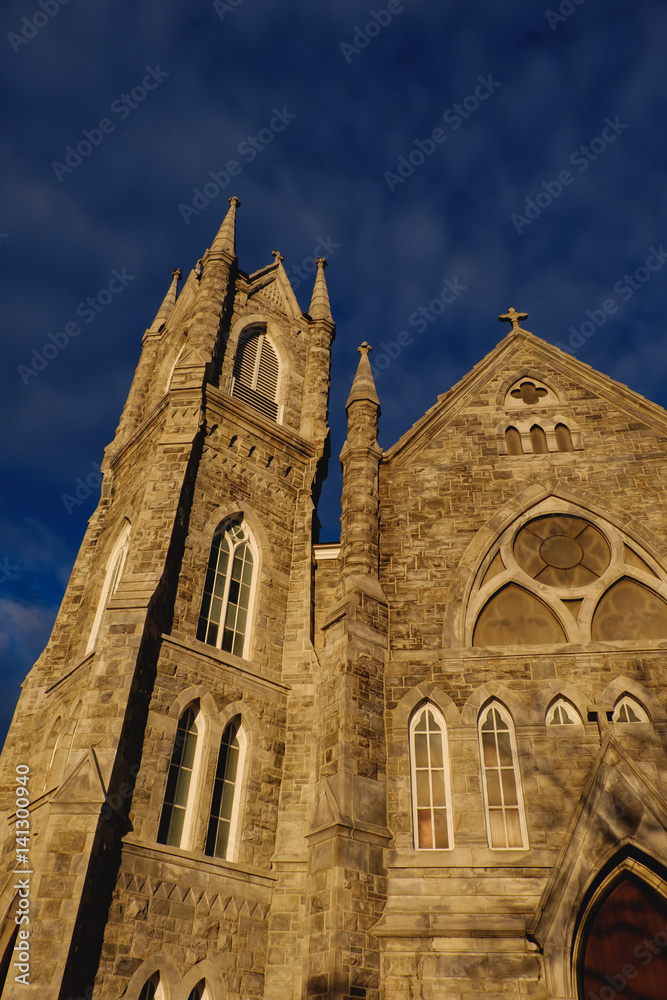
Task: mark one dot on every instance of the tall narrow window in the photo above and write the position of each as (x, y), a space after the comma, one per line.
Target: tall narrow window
(564, 438)
(223, 822)
(513, 441)
(114, 571)
(256, 373)
(223, 620)
(506, 825)
(431, 797)
(538, 440)
(180, 788)
(199, 991)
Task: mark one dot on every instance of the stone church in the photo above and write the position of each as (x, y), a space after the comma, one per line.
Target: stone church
(427, 761)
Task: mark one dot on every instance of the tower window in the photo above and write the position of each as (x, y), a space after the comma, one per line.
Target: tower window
(505, 820)
(223, 822)
(178, 795)
(256, 373)
(114, 572)
(431, 797)
(223, 620)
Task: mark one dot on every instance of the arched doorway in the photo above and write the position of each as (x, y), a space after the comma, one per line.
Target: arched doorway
(623, 949)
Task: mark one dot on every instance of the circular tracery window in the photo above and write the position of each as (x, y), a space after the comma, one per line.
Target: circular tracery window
(562, 551)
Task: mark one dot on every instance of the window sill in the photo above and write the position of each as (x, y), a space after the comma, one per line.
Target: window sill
(197, 861)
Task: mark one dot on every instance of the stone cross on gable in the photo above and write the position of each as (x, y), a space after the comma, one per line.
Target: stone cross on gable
(513, 317)
(364, 348)
(277, 255)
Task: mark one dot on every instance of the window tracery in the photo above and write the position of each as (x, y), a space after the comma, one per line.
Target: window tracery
(558, 577)
(228, 589)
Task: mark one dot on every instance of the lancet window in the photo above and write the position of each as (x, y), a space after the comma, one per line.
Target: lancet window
(503, 800)
(228, 590)
(431, 795)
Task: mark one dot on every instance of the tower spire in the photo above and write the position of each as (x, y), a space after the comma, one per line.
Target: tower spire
(226, 237)
(319, 304)
(168, 303)
(363, 386)
(360, 459)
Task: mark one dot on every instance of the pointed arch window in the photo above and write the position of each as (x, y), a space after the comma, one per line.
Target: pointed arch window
(114, 571)
(538, 440)
(198, 992)
(256, 374)
(503, 800)
(151, 989)
(627, 709)
(224, 616)
(563, 713)
(513, 441)
(223, 823)
(563, 438)
(431, 792)
(179, 794)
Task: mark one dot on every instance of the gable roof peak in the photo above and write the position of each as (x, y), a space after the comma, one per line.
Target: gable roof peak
(513, 317)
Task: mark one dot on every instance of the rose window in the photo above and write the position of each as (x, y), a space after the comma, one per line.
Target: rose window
(562, 551)
(554, 580)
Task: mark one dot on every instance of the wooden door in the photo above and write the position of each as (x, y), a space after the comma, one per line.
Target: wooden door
(625, 946)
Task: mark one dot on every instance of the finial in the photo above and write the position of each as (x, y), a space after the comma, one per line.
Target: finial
(363, 385)
(226, 237)
(165, 309)
(277, 256)
(513, 317)
(319, 304)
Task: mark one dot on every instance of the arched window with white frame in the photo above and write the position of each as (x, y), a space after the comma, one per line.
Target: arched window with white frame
(501, 780)
(257, 373)
(431, 788)
(114, 570)
(561, 712)
(178, 807)
(224, 620)
(627, 709)
(224, 821)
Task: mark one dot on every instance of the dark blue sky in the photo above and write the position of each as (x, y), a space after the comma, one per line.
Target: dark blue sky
(455, 158)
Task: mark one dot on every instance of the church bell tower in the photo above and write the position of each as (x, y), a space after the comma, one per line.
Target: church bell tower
(182, 646)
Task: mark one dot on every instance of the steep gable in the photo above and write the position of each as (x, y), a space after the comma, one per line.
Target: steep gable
(523, 355)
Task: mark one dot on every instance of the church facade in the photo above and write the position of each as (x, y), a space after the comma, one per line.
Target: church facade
(427, 761)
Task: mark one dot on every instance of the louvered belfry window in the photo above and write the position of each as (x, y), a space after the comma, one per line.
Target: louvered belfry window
(256, 372)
